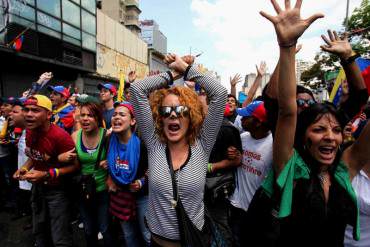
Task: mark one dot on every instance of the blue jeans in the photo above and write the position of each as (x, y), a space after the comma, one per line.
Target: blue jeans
(95, 217)
(142, 203)
(130, 233)
(51, 221)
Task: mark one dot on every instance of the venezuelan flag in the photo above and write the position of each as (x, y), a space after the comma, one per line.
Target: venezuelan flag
(17, 44)
(336, 93)
(364, 65)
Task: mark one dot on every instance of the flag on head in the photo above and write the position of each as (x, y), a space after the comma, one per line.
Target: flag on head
(17, 43)
(121, 88)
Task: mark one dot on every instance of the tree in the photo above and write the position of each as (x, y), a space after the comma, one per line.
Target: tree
(357, 22)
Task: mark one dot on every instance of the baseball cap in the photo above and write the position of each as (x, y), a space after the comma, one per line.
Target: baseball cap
(255, 109)
(126, 104)
(60, 89)
(39, 100)
(108, 86)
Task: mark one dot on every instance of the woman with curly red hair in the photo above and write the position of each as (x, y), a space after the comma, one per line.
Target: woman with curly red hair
(179, 138)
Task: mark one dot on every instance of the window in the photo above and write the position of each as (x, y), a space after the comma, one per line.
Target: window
(48, 31)
(90, 5)
(22, 10)
(71, 31)
(88, 22)
(88, 41)
(71, 13)
(72, 40)
(48, 21)
(50, 6)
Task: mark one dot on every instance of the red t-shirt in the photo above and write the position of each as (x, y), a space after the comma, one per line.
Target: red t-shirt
(44, 148)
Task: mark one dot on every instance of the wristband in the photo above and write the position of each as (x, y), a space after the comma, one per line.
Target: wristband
(52, 173)
(169, 82)
(142, 180)
(186, 73)
(140, 184)
(288, 45)
(349, 60)
(57, 172)
(210, 168)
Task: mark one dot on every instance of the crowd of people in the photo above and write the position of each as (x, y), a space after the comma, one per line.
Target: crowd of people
(190, 165)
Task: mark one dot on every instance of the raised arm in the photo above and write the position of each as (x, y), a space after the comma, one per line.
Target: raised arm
(357, 96)
(140, 91)
(289, 26)
(357, 155)
(233, 82)
(261, 70)
(217, 95)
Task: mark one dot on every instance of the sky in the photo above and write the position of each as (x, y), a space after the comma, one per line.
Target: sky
(232, 35)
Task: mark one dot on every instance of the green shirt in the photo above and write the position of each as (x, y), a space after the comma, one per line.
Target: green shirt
(295, 169)
(88, 161)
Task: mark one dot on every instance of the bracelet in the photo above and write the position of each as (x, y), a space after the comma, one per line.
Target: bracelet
(25, 169)
(349, 60)
(142, 180)
(210, 168)
(186, 72)
(140, 184)
(169, 82)
(288, 45)
(54, 173)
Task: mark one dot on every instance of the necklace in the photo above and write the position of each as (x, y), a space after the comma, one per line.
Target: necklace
(323, 177)
(173, 201)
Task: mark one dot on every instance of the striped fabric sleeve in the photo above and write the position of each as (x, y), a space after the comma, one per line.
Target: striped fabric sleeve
(140, 91)
(217, 95)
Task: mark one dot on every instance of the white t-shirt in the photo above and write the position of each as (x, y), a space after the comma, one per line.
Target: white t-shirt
(256, 163)
(361, 185)
(22, 158)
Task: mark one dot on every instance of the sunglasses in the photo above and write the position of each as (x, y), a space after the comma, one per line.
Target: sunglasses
(302, 102)
(180, 111)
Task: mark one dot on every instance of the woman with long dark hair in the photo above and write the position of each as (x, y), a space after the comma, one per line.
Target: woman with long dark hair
(89, 146)
(311, 182)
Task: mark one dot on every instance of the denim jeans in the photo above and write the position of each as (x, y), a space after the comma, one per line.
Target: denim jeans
(50, 215)
(142, 203)
(95, 217)
(130, 233)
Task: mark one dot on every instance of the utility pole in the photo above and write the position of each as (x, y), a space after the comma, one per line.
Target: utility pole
(347, 12)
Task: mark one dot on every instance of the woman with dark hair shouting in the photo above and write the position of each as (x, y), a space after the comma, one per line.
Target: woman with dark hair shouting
(313, 199)
(179, 139)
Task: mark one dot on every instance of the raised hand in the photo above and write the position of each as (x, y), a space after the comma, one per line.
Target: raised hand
(189, 59)
(45, 77)
(67, 156)
(289, 25)
(131, 76)
(261, 70)
(337, 45)
(175, 63)
(235, 80)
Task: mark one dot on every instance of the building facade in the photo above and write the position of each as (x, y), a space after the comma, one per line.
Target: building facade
(125, 12)
(58, 36)
(157, 45)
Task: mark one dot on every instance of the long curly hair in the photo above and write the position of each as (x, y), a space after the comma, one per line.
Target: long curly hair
(187, 97)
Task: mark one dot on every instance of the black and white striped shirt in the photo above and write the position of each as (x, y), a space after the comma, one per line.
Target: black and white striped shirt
(161, 217)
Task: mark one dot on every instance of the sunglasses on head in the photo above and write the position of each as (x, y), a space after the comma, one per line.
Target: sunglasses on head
(302, 102)
(180, 111)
